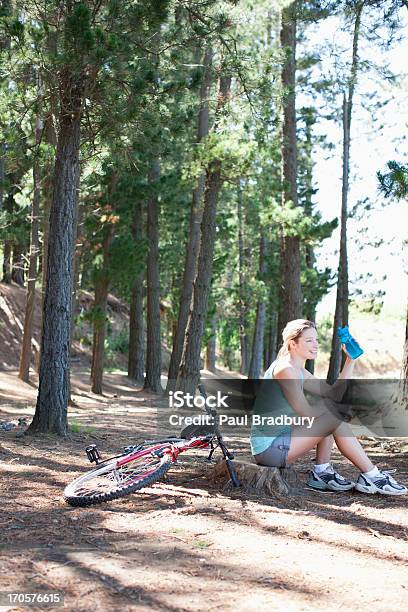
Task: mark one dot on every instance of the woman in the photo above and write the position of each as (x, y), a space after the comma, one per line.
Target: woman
(280, 446)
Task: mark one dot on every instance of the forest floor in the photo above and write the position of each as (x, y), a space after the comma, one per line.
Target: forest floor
(186, 544)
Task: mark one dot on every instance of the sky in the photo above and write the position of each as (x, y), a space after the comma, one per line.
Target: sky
(372, 146)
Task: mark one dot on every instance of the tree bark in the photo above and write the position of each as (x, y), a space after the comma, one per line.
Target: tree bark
(7, 262)
(311, 309)
(2, 172)
(53, 393)
(342, 294)
(189, 372)
(268, 481)
(153, 351)
(193, 242)
(51, 137)
(25, 358)
(98, 347)
(4, 44)
(403, 386)
(210, 349)
(271, 351)
(259, 330)
(310, 259)
(243, 302)
(48, 188)
(77, 263)
(17, 270)
(291, 299)
(102, 282)
(136, 323)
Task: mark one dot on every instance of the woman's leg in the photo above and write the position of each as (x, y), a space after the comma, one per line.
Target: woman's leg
(351, 448)
(303, 440)
(324, 449)
(346, 442)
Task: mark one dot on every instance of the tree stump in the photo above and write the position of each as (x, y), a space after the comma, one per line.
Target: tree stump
(271, 481)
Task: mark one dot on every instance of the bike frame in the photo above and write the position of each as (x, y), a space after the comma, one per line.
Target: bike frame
(173, 447)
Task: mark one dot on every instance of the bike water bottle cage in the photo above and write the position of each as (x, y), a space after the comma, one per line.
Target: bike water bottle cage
(93, 454)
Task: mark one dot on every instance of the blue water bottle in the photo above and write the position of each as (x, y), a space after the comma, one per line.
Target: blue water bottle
(352, 346)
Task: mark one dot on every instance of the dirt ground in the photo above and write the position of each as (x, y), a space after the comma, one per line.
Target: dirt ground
(186, 544)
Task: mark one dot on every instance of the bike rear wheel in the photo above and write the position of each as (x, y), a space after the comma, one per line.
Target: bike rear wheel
(110, 481)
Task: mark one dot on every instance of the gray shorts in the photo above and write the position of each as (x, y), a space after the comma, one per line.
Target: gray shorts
(277, 453)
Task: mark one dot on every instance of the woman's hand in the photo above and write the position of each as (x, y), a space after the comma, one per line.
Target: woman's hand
(343, 346)
(348, 367)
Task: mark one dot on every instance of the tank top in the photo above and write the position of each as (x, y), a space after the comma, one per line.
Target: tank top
(270, 401)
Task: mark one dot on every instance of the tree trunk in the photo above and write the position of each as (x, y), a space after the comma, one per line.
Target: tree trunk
(311, 309)
(6, 11)
(136, 334)
(98, 347)
(8, 206)
(342, 294)
(271, 340)
(53, 393)
(310, 259)
(403, 387)
(77, 263)
(259, 330)
(136, 323)
(48, 190)
(189, 372)
(243, 302)
(102, 282)
(25, 358)
(7, 262)
(17, 270)
(2, 173)
(153, 351)
(291, 300)
(48, 182)
(260, 479)
(210, 350)
(193, 243)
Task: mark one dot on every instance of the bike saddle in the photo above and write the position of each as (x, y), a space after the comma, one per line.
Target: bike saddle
(193, 431)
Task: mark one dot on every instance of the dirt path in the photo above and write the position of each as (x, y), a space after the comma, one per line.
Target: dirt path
(185, 544)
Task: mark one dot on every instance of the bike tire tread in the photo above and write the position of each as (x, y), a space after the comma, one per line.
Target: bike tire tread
(91, 500)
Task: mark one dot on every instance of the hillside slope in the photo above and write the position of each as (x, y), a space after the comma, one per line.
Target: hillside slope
(12, 309)
(382, 337)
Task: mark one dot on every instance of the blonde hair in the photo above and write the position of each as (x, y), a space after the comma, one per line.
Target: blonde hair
(293, 331)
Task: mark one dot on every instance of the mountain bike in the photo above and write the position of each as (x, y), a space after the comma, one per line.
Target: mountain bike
(143, 464)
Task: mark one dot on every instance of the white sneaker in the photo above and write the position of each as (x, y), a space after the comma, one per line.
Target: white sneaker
(384, 484)
(329, 480)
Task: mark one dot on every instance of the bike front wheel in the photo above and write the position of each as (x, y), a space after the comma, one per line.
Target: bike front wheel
(112, 481)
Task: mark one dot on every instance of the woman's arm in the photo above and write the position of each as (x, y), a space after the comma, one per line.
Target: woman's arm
(335, 392)
(292, 389)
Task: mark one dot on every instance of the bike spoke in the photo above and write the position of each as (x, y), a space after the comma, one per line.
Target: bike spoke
(118, 477)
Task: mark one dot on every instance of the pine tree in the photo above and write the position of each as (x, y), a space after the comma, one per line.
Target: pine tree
(291, 299)
(193, 243)
(189, 372)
